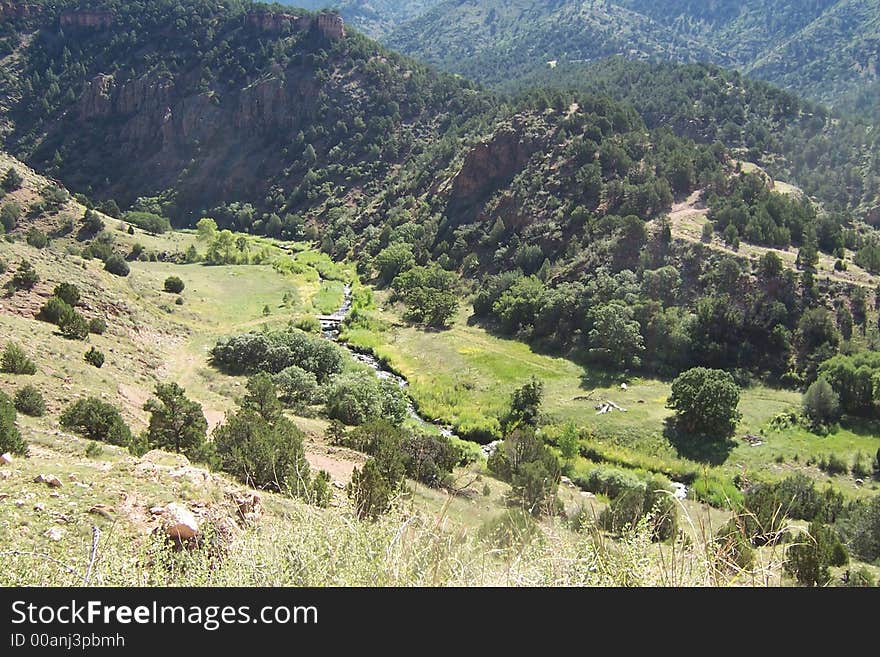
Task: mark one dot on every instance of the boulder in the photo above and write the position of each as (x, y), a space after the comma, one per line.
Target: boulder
(50, 480)
(250, 506)
(180, 523)
(5, 459)
(54, 534)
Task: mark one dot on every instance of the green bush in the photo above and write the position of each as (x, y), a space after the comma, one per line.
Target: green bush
(24, 278)
(29, 401)
(72, 325)
(96, 420)
(834, 465)
(174, 285)
(296, 387)
(309, 324)
(94, 357)
(10, 437)
(94, 450)
(97, 326)
(148, 221)
(37, 238)
(53, 310)
(358, 397)
(15, 361)
(821, 405)
(705, 402)
(68, 293)
(117, 265)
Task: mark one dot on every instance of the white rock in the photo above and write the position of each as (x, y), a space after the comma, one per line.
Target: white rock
(180, 523)
(5, 459)
(54, 534)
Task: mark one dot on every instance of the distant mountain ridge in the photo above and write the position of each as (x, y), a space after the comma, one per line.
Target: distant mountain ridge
(824, 49)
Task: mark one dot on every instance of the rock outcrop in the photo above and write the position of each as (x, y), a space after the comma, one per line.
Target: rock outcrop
(91, 18)
(11, 10)
(179, 522)
(330, 25)
(492, 163)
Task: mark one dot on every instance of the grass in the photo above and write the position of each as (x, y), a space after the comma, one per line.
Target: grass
(465, 376)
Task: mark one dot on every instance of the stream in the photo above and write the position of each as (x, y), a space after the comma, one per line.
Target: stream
(330, 329)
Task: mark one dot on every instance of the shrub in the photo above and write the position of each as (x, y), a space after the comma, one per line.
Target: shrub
(53, 310)
(94, 357)
(37, 238)
(97, 326)
(68, 293)
(705, 402)
(117, 265)
(530, 467)
(24, 278)
(296, 387)
(151, 223)
(821, 405)
(358, 397)
(833, 465)
(96, 420)
(174, 285)
(10, 437)
(176, 422)
(15, 361)
(10, 213)
(810, 558)
(94, 450)
(275, 351)
(29, 401)
(309, 324)
(72, 325)
(178, 301)
(263, 454)
(12, 180)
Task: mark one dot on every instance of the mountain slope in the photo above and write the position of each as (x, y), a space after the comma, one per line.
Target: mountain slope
(824, 49)
(375, 18)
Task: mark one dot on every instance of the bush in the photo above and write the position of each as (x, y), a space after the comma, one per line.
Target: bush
(68, 293)
(705, 402)
(176, 422)
(833, 465)
(810, 558)
(268, 455)
(358, 397)
(96, 420)
(94, 357)
(10, 213)
(10, 437)
(97, 326)
(531, 468)
(72, 325)
(174, 285)
(53, 310)
(25, 277)
(15, 361)
(117, 265)
(12, 180)
(309, 324)
(149, 222)
(94, 450)
(821, 404)
(275, 351)
(29, 401)
(296, 387)
(37, 238)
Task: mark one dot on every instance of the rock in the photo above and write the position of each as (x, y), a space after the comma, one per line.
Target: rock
(250, 506)
(50, 480)
(180, 523)
(5, 474)
(623, 386)
(102, 510)
(54, 534)
(39, 506)
(55, 495)
(157, 510)
(3, 496)
(5, 459)
(19, 503)
(72, 477)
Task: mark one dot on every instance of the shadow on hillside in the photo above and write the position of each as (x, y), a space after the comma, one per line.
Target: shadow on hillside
(703, 449)
(861, 426)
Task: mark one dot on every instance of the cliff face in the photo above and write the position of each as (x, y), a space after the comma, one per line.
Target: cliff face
(10, 9)
(331, 26)
(492, 164)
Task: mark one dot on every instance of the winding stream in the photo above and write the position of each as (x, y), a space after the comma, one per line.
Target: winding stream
(330, 329)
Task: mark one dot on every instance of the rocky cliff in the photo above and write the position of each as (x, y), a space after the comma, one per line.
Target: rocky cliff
(328, 24)
(11, 10)
(91, 18)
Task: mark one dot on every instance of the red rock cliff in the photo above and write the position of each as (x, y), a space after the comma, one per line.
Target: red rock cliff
(86, 18)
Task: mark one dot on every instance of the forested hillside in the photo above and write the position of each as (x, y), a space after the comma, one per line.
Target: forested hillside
(375, 18)
(822, 49)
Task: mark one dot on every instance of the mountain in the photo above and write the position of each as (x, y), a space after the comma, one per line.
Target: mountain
(500, 41)
(375, 18)
(824, 49)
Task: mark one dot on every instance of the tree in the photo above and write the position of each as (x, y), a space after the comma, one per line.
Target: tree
(68, 293)
(176, 422)
(16, 361)
(72, 325)
(821, 404)
(25, 277)
(370, 492)
(10, 213)
(12, 180)
(96, 420)
(532, 470)
(263, 454)
(29, 401)
(394, 260)
(117, 265)
(174, 285)
(569, 441)
(616, 339)
(206, 229)
(358, 397)
(809, 560)
(705, 402)
(10, 437)
(94, 357)
(296, 387)
(262, 397)
(525, 403)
